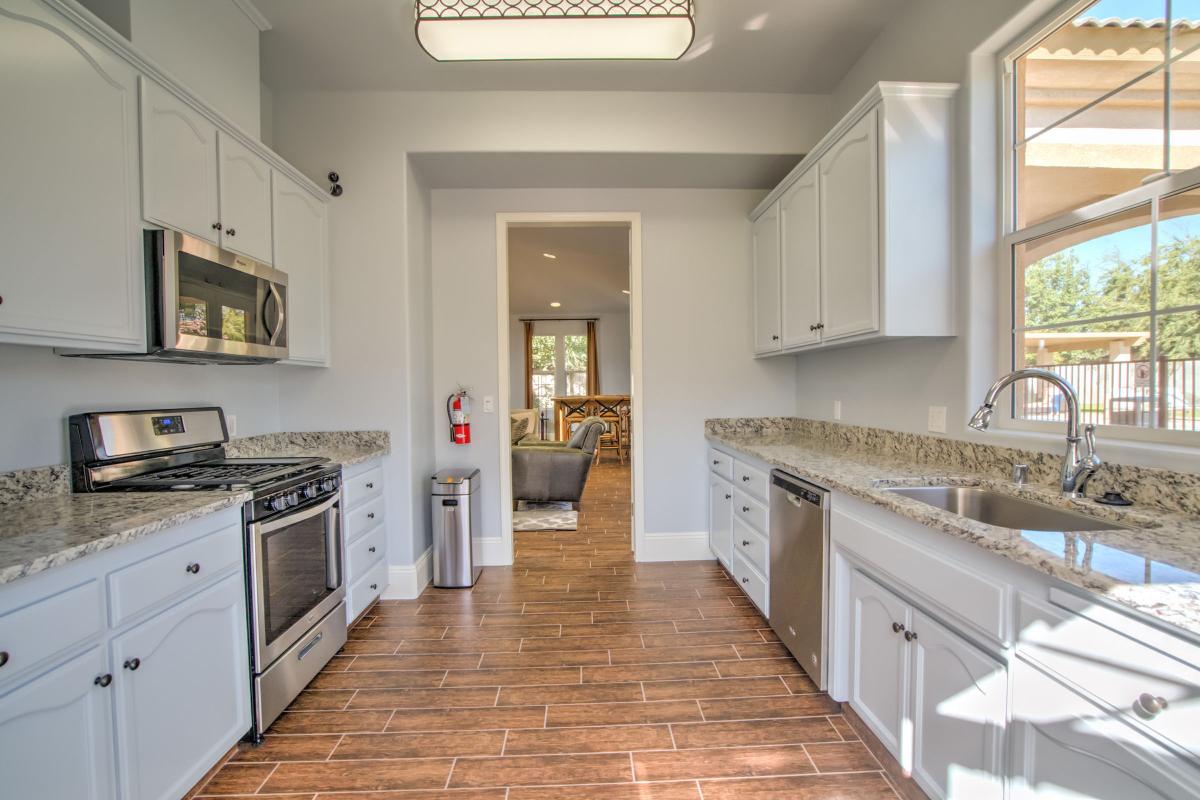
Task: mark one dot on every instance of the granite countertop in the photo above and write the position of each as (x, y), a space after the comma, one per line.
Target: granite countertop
(1153, 569)
(43, 533)
(43, 525)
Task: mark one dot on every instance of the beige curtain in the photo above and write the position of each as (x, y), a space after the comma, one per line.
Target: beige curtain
(593, 365)
(528, 363)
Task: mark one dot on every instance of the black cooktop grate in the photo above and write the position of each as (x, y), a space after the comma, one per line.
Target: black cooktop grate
(222, 473)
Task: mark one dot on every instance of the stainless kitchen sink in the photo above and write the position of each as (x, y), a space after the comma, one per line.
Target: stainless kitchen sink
(1004, 510)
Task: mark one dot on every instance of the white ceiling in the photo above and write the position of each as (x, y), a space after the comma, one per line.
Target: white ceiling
(794, 46)
(587, 277)
(603, 170)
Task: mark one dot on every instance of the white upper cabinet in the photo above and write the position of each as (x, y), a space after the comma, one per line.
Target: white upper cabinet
(766, 282)
(865, 228)
(179, 165)
(849, 237)
(245, 189)
(71, 274)
(799, 215)
(300, 232)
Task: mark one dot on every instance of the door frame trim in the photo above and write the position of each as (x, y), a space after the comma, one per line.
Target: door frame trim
(503, 222)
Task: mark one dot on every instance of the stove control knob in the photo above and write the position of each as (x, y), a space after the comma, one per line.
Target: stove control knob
(293, 498)
(328, 485)
(310, 491)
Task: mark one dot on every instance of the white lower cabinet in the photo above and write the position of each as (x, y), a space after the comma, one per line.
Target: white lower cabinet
(720, 517)
(182, 691)
(139, 708)
(1065, 747)
(56, 733)
(739, 521)
(935, 701)
(365, 536)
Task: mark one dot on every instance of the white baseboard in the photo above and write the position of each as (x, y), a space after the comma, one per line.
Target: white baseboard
(493, 553)
(687, 546)
(407, 581)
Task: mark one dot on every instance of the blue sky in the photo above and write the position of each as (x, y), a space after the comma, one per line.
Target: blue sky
(1144, 9)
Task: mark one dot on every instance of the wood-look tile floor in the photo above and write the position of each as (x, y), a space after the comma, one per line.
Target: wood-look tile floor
(575, 674)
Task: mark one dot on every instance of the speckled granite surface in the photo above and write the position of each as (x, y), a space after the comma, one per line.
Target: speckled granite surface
(43, 525)
(1153, 569)
(39, 534)
(344, 447)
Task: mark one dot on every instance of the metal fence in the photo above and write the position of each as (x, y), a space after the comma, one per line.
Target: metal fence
(1120, 393)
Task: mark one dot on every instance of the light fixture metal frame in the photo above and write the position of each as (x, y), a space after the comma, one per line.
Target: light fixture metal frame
(493, 10)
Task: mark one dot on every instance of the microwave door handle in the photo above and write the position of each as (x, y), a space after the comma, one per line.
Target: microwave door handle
(273, 291)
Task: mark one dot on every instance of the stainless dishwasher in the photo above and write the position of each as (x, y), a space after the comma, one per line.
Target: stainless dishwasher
(799, 570)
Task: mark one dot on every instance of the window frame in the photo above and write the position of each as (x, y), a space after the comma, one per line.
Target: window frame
(1155, 188)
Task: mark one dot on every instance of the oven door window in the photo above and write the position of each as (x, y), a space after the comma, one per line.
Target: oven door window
(296, 575)
(226, 305)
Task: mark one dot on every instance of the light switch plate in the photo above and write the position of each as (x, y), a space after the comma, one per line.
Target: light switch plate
(489, 404)
(937, 419)
(231, 424)
(837, 409)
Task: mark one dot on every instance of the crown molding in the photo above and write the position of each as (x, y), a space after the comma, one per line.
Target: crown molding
(250, 10)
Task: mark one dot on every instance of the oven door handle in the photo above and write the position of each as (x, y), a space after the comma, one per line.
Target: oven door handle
(333, 551)
(259, 528)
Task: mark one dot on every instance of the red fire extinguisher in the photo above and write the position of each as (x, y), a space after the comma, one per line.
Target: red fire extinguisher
(458, 409)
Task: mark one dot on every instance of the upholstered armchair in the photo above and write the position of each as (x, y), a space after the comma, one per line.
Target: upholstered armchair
(556, 471)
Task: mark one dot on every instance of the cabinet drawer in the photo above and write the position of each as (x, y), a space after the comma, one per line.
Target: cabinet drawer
(138, 587)
(362, 486)
(720, 463)
(974, 598)
(364, 552)
(751, 544)
(750, 511)
(51, 625)
(363, 518)
(753, 584)
(750, 479)
(364, 591)
(1118, 670)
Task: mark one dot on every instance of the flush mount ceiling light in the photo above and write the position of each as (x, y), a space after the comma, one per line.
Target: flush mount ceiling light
(534, 30)
(556, 305)
(550, 256)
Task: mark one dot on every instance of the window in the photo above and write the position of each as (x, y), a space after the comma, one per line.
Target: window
(559, 367)
(1104, 214)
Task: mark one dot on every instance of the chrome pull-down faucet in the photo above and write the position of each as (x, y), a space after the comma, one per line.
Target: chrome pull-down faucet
(1078, 466)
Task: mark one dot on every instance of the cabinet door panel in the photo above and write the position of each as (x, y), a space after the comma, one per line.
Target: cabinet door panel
(1066, 748)
(187, 700)
(801, 267)
(766, 282)
(720, 518)
(849, 225)
(879, 677)
(959, 703)
(179, 164)
(299, 228)
(56, 734)
(71, 273)
(245, 188)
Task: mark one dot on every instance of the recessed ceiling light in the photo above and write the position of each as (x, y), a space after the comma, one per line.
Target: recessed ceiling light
(556, 305)
(550, 256)
(625, 291)
(468, 30)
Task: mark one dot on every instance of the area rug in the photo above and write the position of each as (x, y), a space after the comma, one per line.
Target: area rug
(531, 516)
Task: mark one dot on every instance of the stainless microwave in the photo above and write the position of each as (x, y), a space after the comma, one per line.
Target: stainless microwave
(205, 305)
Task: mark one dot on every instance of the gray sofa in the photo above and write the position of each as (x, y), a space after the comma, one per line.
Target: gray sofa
(556, 471)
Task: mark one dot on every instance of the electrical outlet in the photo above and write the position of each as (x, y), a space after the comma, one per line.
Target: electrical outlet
(231, 424)
(489, 404)
(937, 419)
(837, 409)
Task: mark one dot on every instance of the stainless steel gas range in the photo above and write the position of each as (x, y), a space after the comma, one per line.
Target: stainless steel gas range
(293, 531)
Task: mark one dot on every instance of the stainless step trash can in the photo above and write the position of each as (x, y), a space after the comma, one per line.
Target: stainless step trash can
(456, 528)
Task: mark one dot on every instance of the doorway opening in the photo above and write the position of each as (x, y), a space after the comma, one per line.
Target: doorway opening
(570, 350)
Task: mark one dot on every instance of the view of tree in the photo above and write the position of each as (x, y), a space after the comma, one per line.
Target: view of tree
(1060, 288)
(576, 353)
(543, 354)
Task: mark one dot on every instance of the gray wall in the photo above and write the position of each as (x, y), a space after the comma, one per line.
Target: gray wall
(696, 330)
